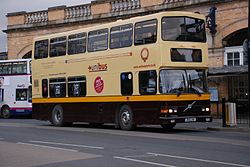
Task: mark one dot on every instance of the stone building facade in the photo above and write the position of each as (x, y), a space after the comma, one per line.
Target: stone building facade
(227, 64)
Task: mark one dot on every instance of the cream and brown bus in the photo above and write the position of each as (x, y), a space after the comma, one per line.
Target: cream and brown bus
(144, 70)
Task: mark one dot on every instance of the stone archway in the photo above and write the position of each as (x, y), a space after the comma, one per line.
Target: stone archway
(25, 52)
(233, 27)
(235, 38)
(27, 55)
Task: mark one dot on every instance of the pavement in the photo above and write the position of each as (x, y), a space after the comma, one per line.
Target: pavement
(217, 125)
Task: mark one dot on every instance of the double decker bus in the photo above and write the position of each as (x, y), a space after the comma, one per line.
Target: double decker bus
(15, 87)
(144, 70)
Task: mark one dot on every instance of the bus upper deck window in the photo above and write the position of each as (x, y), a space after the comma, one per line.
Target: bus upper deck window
(121, 36)
(77, 43)
(41, 49)
(183, 29)
(146, 32)
(19, 68)
(57, 46)
(98, 40)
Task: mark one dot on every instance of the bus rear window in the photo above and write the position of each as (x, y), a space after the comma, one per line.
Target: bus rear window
(41, 49)
(183, 29)
(146, 32)
(21, 95)
(57, 46)
(186, 55)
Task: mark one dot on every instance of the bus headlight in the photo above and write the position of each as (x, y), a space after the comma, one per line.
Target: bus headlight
(168, 110)
(205, 109)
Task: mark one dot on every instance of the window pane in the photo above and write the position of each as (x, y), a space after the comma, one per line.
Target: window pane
(237, 62)
(58, 46)
(183, 81)
(126, 83)
(147, 82)
(41, 49)
(236, 55)
(57, 87)
(230, 56)
(21, 95)
(77, 43)
(5, 68)
(121, 36)
(145, 32)
(45, 88)
(98, 40)
(230, 62)
(77, 86)
(1, 93)
(186, 55)
(183, 29)
(19, 68)
(30, 94)
(171, 28)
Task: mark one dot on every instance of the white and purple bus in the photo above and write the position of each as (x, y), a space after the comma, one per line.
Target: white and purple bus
(15, 88)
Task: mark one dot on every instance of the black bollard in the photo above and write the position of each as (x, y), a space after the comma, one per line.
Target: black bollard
(223, 112)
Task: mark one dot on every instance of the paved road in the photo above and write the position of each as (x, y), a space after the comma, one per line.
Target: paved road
(27, 142)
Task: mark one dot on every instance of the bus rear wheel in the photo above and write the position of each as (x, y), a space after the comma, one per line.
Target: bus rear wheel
(57, 116)
(168, 126)
(126, 118)
(5, 112)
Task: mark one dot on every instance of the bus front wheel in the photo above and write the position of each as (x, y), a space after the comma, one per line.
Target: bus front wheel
(57, 116)
(126, 118)
(5, 112)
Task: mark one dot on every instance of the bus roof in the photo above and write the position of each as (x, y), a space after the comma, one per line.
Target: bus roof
(14, 60)
(123, 21)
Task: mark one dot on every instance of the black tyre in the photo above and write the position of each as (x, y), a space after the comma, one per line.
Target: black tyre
(126, 118)
(5, 112)
(57, 116)
(168, 126)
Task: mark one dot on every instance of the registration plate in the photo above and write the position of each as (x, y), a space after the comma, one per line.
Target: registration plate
(190, 119)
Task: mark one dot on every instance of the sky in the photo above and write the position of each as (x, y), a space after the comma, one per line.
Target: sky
(11, 6)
